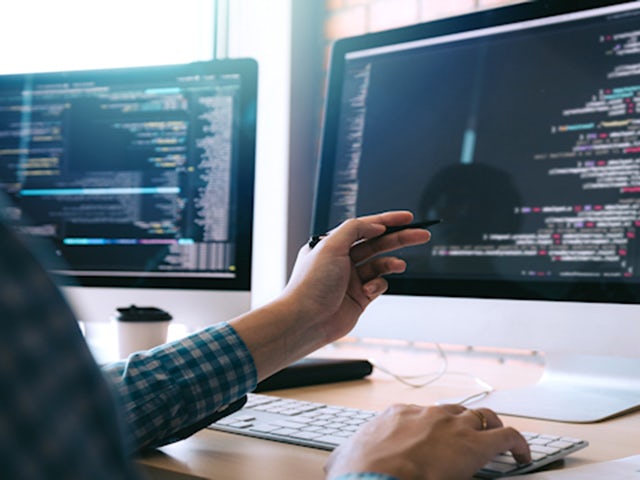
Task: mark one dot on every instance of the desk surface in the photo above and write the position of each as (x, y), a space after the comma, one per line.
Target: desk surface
(209, 454)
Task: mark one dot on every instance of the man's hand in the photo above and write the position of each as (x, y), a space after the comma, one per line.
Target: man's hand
(435, 443)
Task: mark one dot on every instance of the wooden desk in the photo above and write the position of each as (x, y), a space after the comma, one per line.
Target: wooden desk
(217, 455)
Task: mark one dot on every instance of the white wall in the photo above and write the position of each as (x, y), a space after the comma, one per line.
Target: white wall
(262, 30)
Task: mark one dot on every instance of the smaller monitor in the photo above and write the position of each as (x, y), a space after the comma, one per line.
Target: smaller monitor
(139, 179)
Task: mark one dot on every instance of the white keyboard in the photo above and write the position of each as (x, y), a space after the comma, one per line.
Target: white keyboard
(324, 426)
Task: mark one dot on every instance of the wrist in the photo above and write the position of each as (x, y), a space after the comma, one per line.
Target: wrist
(279, 333)
(305, 329)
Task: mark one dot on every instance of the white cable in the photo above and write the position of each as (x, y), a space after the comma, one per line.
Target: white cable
(435, 376)
(405, 379)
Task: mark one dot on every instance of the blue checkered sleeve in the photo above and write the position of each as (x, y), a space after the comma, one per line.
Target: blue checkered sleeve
(173, 388)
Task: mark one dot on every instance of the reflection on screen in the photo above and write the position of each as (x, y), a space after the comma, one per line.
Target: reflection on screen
(524, 139)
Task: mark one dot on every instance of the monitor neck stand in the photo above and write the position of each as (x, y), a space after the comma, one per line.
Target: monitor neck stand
(573, 388)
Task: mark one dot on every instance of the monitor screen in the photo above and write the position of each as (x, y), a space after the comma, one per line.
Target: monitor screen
(136, 177)
(519, 128)
(521, 137)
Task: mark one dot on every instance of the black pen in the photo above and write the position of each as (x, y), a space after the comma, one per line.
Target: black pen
(313, 241)
(425, 224)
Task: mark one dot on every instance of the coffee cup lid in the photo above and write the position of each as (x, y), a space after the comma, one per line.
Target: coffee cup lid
(142, 314)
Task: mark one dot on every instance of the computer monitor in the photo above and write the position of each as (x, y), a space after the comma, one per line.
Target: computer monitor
(140, 180)
(519, 127)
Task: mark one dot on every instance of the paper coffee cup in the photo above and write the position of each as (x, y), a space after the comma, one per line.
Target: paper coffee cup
(140, 328)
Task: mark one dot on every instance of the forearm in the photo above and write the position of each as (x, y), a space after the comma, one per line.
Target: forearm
(279, 333)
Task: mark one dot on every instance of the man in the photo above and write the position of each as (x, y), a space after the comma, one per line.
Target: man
(61, 417)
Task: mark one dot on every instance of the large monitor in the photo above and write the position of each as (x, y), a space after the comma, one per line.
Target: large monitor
(140, 180)
(520, 128)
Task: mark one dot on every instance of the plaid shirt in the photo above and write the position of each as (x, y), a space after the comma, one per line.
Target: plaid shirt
(174, 390)
(60, 419)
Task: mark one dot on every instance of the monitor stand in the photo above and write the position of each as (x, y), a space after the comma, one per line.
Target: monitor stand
(573, 388)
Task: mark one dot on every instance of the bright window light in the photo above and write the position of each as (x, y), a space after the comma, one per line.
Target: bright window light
(48, 35)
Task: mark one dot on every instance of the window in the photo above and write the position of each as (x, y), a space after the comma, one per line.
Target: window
(53, 35)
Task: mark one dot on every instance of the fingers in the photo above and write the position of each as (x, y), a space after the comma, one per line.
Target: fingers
(453, 408)
(380, 266)
(483, 417)
(374, 288)
(371, 274)
(477, 419)
(353, 231)
(381, 244)
(390, 218)
(350, 232)
(370, 226)
(509, 439)
(502, 438)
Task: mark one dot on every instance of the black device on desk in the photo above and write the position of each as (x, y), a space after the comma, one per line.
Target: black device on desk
(314, 371)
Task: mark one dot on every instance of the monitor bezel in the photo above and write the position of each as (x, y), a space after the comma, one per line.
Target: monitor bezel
(247, 69)
(564, 290)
